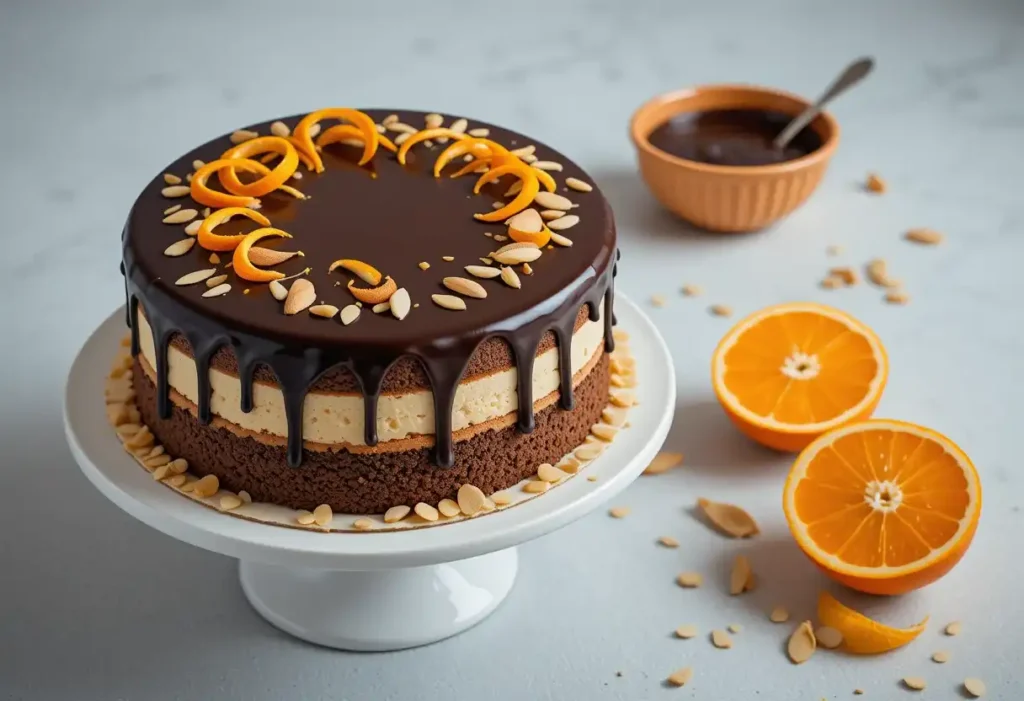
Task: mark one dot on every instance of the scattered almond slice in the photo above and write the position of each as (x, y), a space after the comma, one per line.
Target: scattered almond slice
(940, 657)
(668, 541)
(550, 214)
(400, 303)
(740, 574)
(450, 302)
(181, 216)
(229, 502)
(875, 184)
(482, 271)
(689, 290)
(510, 277)
(324, 311)
(465, 287)
(690, 580)
(423, 265)
(734, 628)
(304, 518)
(449, 508)
(848, 276)
(729, 519)
(778, 615)
(176, 191)
(576, 184)
(686, 632)
(550, 200)
(193, 227)
(471, 499)
(550, 473)
(975, 687)
(218, 291)
(833, 250)
(180, 248)
(171, 179)
(301, 296)
(721, 639)
(536, 487)
(566, 222)
(828, 637)
(681, 677)
(619, 511)
(261, 256)
(801, 643)
(915, 683)
(877, 271)
(480, 132)
(501, 498)
(280, 129)
(515, 256)
(242, 135)
(278, 291)
(720, 310)
(831, 283)
(953, 628)
(928, 237)
(658, 300)
(362, 524)
(323, 515)
(589, 452)
(426, 512)
(206, 486)
(897, 297)
(350, 313)
(172, 209)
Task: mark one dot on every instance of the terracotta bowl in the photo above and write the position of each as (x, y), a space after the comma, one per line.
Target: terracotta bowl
(729, 198)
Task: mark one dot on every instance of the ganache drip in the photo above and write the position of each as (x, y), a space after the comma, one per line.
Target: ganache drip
(298, 369)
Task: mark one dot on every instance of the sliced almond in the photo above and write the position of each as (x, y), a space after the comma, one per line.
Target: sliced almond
(739, 575)
(875, 184)
(242, 135)
(362, 524)
(181, 216)
(550, 200)
(686, 632)
(426, 512)
(449, 508)
(180, 248)
(604, 432)
(663, 462)
(206, 486)
(229, 502)
(172, 209)
(244, 496)
(216, 280)
(390, 119)
(501, 498)
(278, 291)
(729, 519)
(423, 265)
(479, 132)
(846, 274)
(575, 184)
(828, 638)
(524, 151)
(554, 166)
(268, 256)
(619, 511)
(928, 237)
(195, 277)
(536, 487)
(514, 189)
(304, 518)
(566, 222)
(382, 307)
(176, 191)
(470, 499)
(915, 683)
(465, 287)
(323, 515)
(218, 291)
(528, 221)
(280, 129)
(482, 271)
(975, 687)
(897, 297)
(779, 614)
(433, 120)
(301, 296)
(517, 256)
(560, 240)
(549, 214)
(402, 138)
(400, 303)
(193, 228)
(691, 290)
(589, 452)
(351, 312)
(721, 639)
(680, 677)
(550, 473)
(459, 126)
(401, 127)
(877, 271)
(668, 541)
(801, 643)
(953, 628)
(720, 310)
(510, 278)
(451, 302)
(396, 514)
(324, 311)
(171, 179)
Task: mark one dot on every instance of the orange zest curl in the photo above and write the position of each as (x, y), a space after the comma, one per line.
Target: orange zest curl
(472, 167)
(202, 194)
(341, 132)
(545, 179)
(255, 147)
(424, 135)
(222, 243)
(361, 120)
(531, 186)
(241, 264)
(373, 295)
(478, 147)
(366, 272)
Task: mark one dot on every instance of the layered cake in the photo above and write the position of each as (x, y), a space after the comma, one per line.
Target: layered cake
(365, 309)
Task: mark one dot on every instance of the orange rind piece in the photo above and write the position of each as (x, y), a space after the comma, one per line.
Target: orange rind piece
(304, 156)
(241, 264)
(528, 227)
(471, 167)
(479, 147)
(424, 135)
(366, 272)
(202, 193)
(362, 121)
(216, 242)
(270, 182)
(531, 186)
(545, 179)
(340, 132)
(373, 295)
(863, 635)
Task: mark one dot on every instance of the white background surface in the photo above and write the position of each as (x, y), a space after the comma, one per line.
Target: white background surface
(96, 97)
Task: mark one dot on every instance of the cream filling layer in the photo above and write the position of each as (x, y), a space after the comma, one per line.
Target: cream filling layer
(338, 418)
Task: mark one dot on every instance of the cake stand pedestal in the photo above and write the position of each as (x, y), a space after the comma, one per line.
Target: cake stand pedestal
(378, 590)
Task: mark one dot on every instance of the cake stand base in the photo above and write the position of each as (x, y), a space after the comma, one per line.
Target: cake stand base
(381, 610)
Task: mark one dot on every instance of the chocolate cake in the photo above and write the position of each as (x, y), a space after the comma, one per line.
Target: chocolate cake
(372, 314)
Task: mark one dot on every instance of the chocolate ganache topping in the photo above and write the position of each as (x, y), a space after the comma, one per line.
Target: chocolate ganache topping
(393, 217)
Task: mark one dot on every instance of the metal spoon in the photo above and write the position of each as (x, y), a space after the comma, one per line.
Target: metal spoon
(850, 76)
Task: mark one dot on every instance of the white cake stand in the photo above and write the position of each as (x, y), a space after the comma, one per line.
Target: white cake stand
(377, 590)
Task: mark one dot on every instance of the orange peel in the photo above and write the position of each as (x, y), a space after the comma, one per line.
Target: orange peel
(202, 193)
(362, 121)
(373, 295)
(863, 635)
(471, 167)
(479, 147)
(531, 186)
(340, 132)
(241, 264)
(255, 147)
(366, 272)
(545, 179)
(528, 227)
(223, 243)
(423, 135)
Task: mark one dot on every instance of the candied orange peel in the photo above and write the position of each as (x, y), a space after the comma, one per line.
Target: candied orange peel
(366, 272)
(545, 179)
(241, 264)
(255, 147)
(472, 166)
(340, 132)
(531, 186)
(202, 193)
(528, 227)
(479, 147)
(373, 295)
(424, 135)
(362, 121)
(222, 243)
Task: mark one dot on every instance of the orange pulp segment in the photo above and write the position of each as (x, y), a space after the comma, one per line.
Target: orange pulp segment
(790, 372)
(883, 506)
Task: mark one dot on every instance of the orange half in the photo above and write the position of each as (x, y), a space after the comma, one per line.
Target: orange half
(790, 372)
(883, 506)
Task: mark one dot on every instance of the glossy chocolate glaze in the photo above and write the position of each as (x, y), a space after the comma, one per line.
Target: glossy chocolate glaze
(392, 217)
(734, 137)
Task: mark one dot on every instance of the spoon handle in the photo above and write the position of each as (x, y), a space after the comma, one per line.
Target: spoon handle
(852, 75)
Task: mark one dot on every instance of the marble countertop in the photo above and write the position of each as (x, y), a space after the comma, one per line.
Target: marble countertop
(96, 97)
